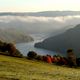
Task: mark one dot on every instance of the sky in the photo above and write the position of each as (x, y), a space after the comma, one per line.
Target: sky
(38, 5)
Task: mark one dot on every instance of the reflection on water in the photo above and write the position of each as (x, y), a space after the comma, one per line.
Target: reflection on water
(26, 47)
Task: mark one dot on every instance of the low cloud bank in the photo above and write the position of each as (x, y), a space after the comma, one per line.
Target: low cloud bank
(33, 24)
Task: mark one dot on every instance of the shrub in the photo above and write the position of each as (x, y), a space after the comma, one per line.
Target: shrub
(39, 57)
(18, 54)
(32, 55)
(11, 49)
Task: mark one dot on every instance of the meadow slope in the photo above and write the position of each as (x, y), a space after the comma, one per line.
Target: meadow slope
(22, 69)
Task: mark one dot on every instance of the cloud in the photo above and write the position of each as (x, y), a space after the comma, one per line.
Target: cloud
(33, 24)
(60, 19)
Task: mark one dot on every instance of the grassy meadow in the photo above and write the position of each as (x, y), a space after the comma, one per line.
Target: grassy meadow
(12, 68)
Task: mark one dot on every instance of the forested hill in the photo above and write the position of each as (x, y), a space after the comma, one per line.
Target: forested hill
(13, 35)
(64, 41)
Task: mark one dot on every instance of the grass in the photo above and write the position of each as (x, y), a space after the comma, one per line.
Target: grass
(22, 69)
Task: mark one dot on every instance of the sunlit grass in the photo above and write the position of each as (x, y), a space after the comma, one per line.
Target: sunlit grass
(22, 69)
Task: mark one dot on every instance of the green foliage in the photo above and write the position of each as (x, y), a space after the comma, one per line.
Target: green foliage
(32, 55)
(18, 54)
(39, 57)
(9, 49)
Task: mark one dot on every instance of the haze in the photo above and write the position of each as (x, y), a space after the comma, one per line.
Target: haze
(38, 5)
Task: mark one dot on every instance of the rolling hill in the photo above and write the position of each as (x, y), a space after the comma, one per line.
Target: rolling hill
(12, 68)
(13, 35)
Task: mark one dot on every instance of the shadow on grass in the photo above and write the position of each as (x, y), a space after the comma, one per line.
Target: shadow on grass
(4, 78)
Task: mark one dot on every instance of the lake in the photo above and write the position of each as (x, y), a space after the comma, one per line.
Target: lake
(26, 47)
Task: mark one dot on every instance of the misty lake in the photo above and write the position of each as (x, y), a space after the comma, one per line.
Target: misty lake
(26, 47)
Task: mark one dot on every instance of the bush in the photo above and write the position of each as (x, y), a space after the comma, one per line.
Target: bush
(17, 54)
(11, 49)
(32, 55)
(39, 57)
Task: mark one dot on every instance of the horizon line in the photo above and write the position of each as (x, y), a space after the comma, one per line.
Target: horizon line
(38, 11)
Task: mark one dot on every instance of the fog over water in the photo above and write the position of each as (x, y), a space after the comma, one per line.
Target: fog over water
(39, 27)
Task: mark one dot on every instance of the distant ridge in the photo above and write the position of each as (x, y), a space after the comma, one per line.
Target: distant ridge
(44, 13)
(13, 35)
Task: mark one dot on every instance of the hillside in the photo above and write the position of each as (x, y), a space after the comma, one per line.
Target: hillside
(64, 41)
(13, 35)
(22, 69)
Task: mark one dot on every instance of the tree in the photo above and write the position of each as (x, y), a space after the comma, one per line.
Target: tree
(32, 55)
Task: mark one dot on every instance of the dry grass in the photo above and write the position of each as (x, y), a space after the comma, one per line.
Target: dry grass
(23, 69)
